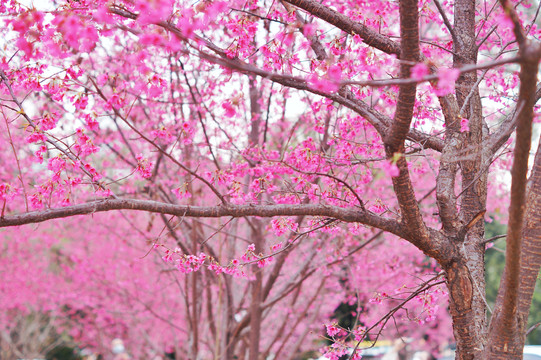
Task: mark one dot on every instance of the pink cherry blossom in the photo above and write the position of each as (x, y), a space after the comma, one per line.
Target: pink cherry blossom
(464, 127)
(446, 82)
(419, 71)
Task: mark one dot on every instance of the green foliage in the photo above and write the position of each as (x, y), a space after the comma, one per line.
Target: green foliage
(312, 354)
(494, 260)
(63, 352)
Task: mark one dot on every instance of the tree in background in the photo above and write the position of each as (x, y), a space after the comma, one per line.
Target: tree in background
(98, 290)
(275, 142)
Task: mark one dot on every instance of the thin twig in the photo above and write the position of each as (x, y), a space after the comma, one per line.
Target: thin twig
(463, 70)
(446, 20)
(532, 328)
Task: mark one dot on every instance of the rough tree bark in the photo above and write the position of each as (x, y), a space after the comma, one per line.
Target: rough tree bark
(465, 273)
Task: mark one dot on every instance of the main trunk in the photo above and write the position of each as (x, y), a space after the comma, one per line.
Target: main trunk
(465, 275)
(466, 284)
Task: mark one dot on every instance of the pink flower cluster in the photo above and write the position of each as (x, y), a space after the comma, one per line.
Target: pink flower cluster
(84, 145)
(446, 83)
(282, 225)
(182, 192)
(144, 167)
(7, 192)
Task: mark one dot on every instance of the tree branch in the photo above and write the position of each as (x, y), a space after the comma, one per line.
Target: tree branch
(344, 23)
(395, 137)
(342, 214)
(445, 20)
(345, 97)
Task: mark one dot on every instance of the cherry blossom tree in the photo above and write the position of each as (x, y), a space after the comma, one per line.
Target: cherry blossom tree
(96, 291)
(282, 156)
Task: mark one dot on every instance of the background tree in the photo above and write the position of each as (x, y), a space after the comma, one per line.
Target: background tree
(336, 117)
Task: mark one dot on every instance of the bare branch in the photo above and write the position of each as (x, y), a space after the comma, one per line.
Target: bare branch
(342, 214)
(532, 328)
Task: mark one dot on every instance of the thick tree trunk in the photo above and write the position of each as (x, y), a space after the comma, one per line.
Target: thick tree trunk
(465, 276)
(508, 324)
(465, 281)
(531, 240)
